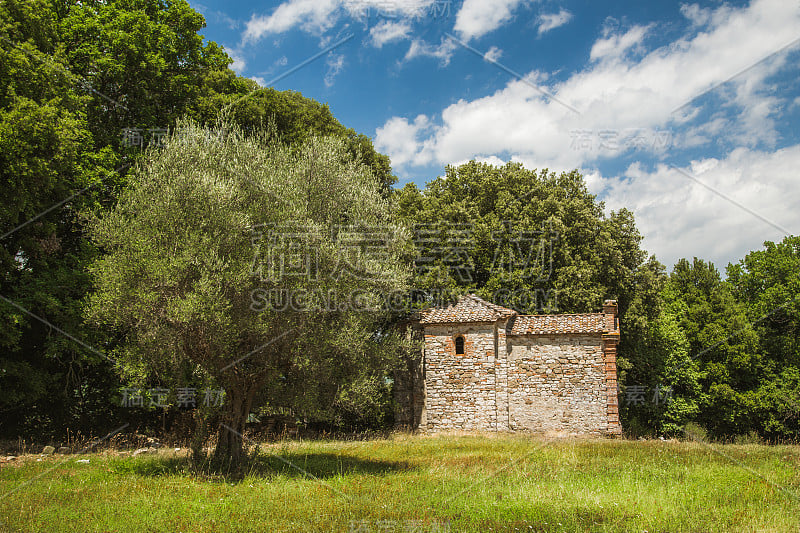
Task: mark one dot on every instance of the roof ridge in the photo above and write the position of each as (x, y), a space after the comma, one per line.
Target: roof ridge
(565, 314)
(487, 303)
(476, 298)
(468, 308)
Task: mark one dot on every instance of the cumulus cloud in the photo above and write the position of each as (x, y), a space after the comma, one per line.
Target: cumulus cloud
(683, 218)
(660, 99)
(552, 21)
(491, 160)
(618, 93)
(478, 17)
(401, 138)
(615, 45)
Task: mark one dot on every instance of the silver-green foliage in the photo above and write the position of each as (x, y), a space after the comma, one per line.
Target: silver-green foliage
(198, 238)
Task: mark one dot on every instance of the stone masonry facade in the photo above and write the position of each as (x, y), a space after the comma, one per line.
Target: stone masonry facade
(486, 368)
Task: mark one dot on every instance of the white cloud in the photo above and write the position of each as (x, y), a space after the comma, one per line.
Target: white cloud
(551, 21)
(478, 17)
(401, 139)
(616, 45)
(310, 15)
(388, 31)
(335, 64)
(493, 54)
(259, 80)
(681, 218)
(443, 52)
(239, 63)
(696, 14)
(317, 16)
(702, 133)
(618, 92)
(491, 160)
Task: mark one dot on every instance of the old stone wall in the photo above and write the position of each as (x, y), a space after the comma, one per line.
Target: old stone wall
(460, 389)
(557, 384)
(550, 383)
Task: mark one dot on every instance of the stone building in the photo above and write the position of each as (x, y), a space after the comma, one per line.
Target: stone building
(486, 368)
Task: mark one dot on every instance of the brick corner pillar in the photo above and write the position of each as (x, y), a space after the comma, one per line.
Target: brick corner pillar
(610, 342)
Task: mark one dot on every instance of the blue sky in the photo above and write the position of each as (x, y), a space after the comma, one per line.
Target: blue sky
(685, 113)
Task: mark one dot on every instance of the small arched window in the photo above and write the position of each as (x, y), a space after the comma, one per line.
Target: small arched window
(459, 345)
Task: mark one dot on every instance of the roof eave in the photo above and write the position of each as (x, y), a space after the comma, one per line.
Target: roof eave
(517, 334)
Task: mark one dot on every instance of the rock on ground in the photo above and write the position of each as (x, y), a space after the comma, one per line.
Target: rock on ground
(141, 451)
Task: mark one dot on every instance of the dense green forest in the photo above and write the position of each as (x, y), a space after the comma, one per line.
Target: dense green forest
(90, 89)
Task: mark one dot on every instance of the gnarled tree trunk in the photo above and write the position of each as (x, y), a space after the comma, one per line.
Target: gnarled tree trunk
(230, 443)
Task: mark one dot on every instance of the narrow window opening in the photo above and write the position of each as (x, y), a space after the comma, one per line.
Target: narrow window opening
(459, 345)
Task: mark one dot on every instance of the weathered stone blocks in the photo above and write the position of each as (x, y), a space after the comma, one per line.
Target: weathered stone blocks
(515, 378)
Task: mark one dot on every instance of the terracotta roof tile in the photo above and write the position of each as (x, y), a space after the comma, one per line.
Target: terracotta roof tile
(469, 308)
(551, 324)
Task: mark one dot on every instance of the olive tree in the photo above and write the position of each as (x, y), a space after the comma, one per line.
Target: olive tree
(249, 261)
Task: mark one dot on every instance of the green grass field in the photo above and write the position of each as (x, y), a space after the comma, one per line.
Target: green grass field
(444, 483)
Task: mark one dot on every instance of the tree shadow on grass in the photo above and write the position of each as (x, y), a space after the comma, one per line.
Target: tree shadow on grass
(323, 465)
(264, 465)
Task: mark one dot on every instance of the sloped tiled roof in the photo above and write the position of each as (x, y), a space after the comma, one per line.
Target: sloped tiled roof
(468, 308)
(552, 324)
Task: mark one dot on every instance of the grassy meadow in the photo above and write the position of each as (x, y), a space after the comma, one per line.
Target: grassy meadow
(405, 483)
